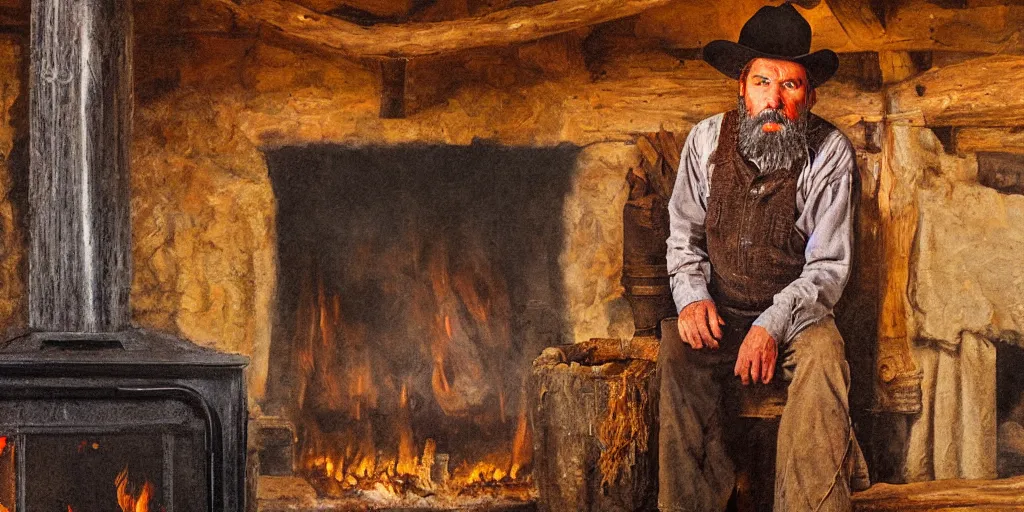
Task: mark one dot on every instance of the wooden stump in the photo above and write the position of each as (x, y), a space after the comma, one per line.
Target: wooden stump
(593, 409)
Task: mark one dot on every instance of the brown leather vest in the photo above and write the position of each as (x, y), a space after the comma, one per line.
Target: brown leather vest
(752, 240)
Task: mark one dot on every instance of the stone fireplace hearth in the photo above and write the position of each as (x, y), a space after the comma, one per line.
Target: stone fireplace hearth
(415, 286)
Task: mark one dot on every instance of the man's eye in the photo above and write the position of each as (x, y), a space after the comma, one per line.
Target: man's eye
(789, 85)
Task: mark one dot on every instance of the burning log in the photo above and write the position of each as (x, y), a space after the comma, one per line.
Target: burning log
(593, 410)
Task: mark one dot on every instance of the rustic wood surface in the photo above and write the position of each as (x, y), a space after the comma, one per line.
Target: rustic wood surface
(514, 25)
(943, 495)
(858, 20)
(983, 92)
(896, 371)
(972, 140)
(592, 422)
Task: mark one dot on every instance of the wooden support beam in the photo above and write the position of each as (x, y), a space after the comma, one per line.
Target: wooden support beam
(897, 379)
(858, 20)
(516, 25)
(896, 66)
(973, 140)
(898, 382)
(980, 92)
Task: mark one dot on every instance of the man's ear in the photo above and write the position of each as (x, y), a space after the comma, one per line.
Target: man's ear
(812, 99)
(743, 87)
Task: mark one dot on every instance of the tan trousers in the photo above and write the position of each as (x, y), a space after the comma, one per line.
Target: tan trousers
(696, 466)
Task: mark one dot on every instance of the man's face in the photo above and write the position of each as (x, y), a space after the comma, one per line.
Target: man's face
(778, 85)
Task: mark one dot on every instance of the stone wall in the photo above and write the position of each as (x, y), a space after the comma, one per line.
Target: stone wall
(13, 187)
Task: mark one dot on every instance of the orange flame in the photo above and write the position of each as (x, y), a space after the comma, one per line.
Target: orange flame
(522, 444)
(406, 443)
(128, 502)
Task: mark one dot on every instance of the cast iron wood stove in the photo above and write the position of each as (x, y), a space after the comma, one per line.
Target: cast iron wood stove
(94, 414)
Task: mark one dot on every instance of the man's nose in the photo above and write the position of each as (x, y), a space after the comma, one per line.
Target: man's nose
(773, 99)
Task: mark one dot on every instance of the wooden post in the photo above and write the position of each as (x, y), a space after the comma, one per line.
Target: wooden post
(898, 379)
(80, 108)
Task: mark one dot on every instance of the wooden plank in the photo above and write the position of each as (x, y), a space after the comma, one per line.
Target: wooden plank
(506, 27)
(976, 495)
(973, 140)
(980, 92)
(858, 20)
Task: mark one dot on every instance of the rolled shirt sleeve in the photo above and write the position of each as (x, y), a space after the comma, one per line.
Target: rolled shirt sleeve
(688, 266)
(827, 219)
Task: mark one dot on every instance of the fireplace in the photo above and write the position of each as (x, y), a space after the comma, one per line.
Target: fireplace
(415, 286)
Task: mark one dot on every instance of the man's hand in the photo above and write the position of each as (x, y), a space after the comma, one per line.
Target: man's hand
(756, 360)
(699, 324)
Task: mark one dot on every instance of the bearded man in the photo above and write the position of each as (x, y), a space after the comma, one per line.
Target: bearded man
(759, 253)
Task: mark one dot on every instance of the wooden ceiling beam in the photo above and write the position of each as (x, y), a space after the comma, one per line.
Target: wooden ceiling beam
(858, 21)
(515, 25)
(983, 92)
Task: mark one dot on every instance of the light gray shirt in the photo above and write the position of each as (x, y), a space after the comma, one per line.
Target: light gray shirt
(824, 217)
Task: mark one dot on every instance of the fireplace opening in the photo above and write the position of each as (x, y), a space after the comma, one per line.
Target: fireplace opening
(415, 286)
(1009, 410)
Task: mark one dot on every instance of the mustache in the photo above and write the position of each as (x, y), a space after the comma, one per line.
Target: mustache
(770, 115)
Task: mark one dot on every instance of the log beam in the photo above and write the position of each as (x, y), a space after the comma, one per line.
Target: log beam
(896, 66)
(858, 20)
(1006, 494)
(973, 140)
(983, 92)
(516, 25)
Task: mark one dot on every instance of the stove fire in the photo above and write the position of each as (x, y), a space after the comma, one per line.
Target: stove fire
(128, 498)
(129, 501)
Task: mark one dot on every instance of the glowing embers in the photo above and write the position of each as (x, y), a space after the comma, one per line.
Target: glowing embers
(412, 382)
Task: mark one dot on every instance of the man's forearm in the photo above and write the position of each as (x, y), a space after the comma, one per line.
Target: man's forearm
(805, 301)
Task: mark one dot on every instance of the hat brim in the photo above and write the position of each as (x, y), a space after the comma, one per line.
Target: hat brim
(730, 58)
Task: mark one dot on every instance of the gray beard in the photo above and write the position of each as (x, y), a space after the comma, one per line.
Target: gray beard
(772, 151)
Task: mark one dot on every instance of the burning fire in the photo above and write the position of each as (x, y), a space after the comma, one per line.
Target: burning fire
(127, 500)
(376, 421)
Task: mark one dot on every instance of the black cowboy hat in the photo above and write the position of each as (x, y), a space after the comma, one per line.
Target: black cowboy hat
(773, 33)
